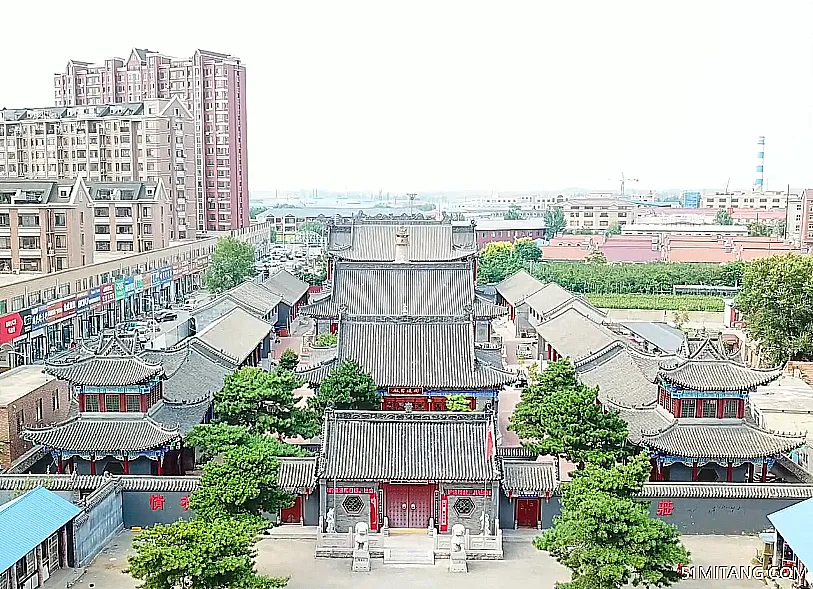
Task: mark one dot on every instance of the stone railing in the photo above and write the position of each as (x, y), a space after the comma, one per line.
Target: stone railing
(477, 546)
(341, 544)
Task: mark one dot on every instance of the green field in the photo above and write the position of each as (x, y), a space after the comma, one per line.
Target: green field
(657, 302)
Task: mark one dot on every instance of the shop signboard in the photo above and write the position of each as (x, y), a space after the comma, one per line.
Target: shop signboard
(177, 271)
(108, 293)
(61, 310)
(166, 275)
(11, 327)
(129, 286)
(147, 280)
(95, 298)
(82, 302)
(35, 318)
(118, 289)
(139, 283)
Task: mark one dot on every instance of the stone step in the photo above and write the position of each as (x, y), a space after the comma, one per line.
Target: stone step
(403, 556)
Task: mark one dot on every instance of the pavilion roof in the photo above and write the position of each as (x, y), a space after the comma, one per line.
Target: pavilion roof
(105, 371)
(717, 375)
(427, 241)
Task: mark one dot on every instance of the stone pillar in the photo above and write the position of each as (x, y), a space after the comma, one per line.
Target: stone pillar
(38, 560)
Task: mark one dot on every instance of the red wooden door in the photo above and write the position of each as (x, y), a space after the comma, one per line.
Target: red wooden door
(527, 512)
(420, 505)
(398, 505)
(293, 514)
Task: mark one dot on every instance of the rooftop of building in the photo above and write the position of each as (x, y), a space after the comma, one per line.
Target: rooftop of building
(124, 191)
(18, 382)
(685, 227)
(534, 224)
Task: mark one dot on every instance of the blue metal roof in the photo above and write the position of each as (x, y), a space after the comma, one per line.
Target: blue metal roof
(793, 524)
(28, 520)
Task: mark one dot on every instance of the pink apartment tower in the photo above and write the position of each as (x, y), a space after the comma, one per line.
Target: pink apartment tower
(213, 87)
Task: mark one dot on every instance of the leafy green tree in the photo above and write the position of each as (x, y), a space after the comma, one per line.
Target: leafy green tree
(732, 273)
(555, 417)
(497, 262)
(723, 217)
(326, 339)
(596, 258)
(458, 403)
(775, 299)
(212, 439)
(289, 360)
(757, 229)
(780, 230)
(312, 227)
(256, 210)
(607, 538)
(615, 229)
(555, 220)
(243, 481)
(514, 213)
(346, 387)
(198, 554)
(232, 262)
(526, 250)
(317, 278)
(260, 401)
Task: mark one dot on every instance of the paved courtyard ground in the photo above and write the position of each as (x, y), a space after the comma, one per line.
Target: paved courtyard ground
(524, 566)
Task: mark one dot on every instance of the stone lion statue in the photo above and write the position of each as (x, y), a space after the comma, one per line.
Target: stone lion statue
(458, 533)
(362, 540)
(331, 521)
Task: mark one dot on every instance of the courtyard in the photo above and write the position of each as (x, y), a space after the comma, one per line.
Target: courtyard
(523, 566)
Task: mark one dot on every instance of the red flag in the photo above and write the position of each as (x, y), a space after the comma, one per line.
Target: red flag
(490, 441)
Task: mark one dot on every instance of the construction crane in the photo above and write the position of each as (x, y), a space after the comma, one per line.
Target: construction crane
(624, 181)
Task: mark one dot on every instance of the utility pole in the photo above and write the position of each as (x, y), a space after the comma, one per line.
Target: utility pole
(411, 196)
(624, 181)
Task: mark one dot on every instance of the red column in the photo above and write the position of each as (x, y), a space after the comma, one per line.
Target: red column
(122, 402)
(81, 398)
(694, 471)
(698, 407)
(720, 408)
(92, 466)
(764, 472)
(60, 465)
(677, 405)
(730, 473)
(741, 409)
(126, 465)
(160, 466)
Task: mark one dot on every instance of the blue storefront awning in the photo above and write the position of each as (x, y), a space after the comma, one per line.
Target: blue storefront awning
(793, 524)
(29, 520)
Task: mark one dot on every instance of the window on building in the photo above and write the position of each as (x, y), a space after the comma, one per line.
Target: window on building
(731, 408)
(112, 403)
(464, 506)
(102, 246)
(688, 408)
(353, 504)
(92, 403)
(710, 408)
(39, 409)
(60, 219)
(133, 403)
(55, 400)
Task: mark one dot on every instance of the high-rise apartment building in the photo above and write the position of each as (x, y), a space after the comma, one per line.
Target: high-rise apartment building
(212, 86)
(143, 141)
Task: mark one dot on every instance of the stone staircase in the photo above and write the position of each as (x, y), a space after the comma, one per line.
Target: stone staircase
(409, 550)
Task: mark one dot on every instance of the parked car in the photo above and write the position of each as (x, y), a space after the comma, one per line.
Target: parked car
(162, 316)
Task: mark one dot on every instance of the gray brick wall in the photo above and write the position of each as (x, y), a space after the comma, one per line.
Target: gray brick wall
(345, 520)
(487, 504)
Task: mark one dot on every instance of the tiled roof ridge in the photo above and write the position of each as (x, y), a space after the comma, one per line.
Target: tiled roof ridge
(64, 422)
(419, 265)
(439, 416)
(722, 361)
(406, 319)
(205, 350)
(713, 422)
(615, 345)
(204, 398)
(615, 403)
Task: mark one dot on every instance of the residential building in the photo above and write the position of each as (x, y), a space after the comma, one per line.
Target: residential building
(684, 229)
(212, 86)
(793, 218)
(598, 214)
(495, 230)
(691, 199)
(143, 141)
(45, 226)
(744, 199)
(806, 230)
(130, 217)
(28, 397)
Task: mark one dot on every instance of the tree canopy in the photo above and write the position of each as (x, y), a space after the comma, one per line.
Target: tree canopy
(513, 214)
(198, 554)
(723, 217)
(775, 298)
(497, 262)
(232, 262)
(526, 250)
(261, 402)
(607, 538)
(557, 415)
(289, 360)
(212, 439)
(346, 387)
(555, 220)
(458, 403)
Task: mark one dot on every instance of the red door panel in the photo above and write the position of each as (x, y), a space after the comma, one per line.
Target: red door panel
(293, 514)
(398, 505)
(527, 511)
(420, 505)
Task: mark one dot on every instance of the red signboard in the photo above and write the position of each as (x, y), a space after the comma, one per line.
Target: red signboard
(147, 281)
(349, 490)
(405, 390)
(177, 271)
(108, 293)
(373, 511)
(61, 309)
(11, 327)
(444, 513)
(469, 492)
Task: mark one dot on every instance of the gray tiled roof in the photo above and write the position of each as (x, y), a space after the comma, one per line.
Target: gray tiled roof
(573, 335)
(104, 433)
(401, 446)
(726, 491)
(297, 473)
(426, 242)
(518, 287)
(70, 482)
(252, 295)
(618, 378)
(430, 352)
(236, 334)
(286, 286)
(528, 478)
(732, 439)
(548, 298)
(660, 334)
(189, 372)
(182, 415)
(717, 375)
(107, 370)
(651, 365)
(370, 288)
(653, 418)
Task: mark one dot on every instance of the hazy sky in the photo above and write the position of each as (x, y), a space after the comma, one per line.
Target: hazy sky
(494, 95)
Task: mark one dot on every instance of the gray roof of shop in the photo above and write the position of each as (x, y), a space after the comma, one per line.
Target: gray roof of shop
(660, 334)
(521, 477)
(286, 286)
(518, 287)
(573, 335)
(236, 334)
(406, 446)
(297, 473)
